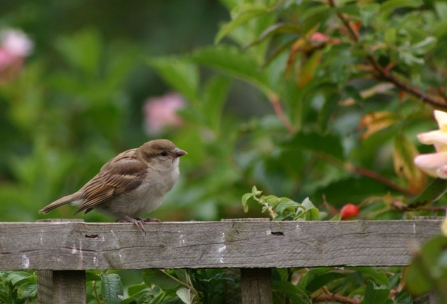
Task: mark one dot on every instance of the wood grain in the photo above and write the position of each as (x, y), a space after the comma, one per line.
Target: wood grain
(256, 286)
(228, 244)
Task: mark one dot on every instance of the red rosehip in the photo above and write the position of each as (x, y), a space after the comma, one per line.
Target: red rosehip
(349, 210)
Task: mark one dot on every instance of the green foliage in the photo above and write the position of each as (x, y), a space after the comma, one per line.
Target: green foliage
(317, 103)
(282, 208)
(429, 269)
(18, 287)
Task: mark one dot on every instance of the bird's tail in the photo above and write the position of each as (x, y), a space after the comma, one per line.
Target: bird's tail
(62, 201)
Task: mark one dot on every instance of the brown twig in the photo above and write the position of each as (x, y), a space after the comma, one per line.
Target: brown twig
(382, 73)
(333, 298)
(376, 176)
(364, 172)
(274, 99)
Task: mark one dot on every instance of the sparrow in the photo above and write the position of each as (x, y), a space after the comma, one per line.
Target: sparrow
(129, 185)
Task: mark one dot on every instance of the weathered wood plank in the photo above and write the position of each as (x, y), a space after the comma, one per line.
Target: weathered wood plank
(61, 287)
(256, 286)
(238, 244)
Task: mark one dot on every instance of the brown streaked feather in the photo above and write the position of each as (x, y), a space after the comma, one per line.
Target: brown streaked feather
(120, 175)
(62, 201)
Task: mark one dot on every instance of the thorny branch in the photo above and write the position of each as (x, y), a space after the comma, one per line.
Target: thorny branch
(384, 74)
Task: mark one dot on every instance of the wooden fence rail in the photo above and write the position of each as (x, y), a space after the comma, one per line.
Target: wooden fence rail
(62, 251)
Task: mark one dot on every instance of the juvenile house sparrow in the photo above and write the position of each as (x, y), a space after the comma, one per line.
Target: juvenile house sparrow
(131, 184)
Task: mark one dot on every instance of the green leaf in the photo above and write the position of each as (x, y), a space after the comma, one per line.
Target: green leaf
(240, 15)
(185, 295)
(328, 144)
(389, 6)
(390, 37)
(285, 205)
(317, 281)
(245, 198)
(159, 278)
(359, 188)
(326, 112)
(111, 287)
(82, 50)
(376, 295)
(428, 270)
(18, 276)
(368, 12)
(27, 290)
(307, 203)
(404, 154)
(134, 289)
(335, 218)
(312, 214)
(255, 191)
(180, 73)
(431, 193)
(231, 61)
(278, 28)
(296, 294)
(214, 96)
(93, 275)
(378, 276)
(424, 46)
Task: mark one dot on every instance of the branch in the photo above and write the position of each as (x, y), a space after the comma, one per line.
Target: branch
(274, 99)
(364, 172)
(333, 298)
(376, 176)
(382, 73)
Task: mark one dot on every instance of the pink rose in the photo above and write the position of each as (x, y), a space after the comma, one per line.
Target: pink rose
(14, 47)
(319, 37)
(16, 42)
(161, 112)
(435, 164)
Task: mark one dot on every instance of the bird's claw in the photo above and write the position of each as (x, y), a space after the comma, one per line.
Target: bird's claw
(137, 221)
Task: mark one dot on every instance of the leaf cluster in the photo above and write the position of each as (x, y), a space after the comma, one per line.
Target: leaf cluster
(18, 287)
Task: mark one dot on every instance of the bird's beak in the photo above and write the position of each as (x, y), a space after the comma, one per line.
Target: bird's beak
(179, 152)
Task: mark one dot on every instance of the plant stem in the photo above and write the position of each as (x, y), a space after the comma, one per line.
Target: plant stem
(274, 99)
(96, 293)
(382, 73)
(333, 298)
(269, 208)
(376, 176)
(182, 283)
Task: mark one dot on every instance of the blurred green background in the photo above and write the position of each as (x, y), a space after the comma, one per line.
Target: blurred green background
(300, 98)
(101, 75)
(79, 100)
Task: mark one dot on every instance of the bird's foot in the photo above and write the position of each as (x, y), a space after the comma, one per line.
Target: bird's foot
(151, 220)
(137, 221)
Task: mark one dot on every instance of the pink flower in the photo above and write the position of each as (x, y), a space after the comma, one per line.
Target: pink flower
(14, 47)
(6, 58)
(16, 42)
(435, 164)
(319, 37)
(161, 112)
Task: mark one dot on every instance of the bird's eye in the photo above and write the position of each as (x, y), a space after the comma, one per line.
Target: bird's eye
(164, 153)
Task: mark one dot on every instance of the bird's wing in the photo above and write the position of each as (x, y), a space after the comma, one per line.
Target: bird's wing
(122, 174)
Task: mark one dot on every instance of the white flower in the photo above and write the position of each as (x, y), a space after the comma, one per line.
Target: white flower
(435, 164)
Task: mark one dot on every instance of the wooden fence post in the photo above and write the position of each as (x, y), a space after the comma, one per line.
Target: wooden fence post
(62, 286)
(256, 283)
(256, 286)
